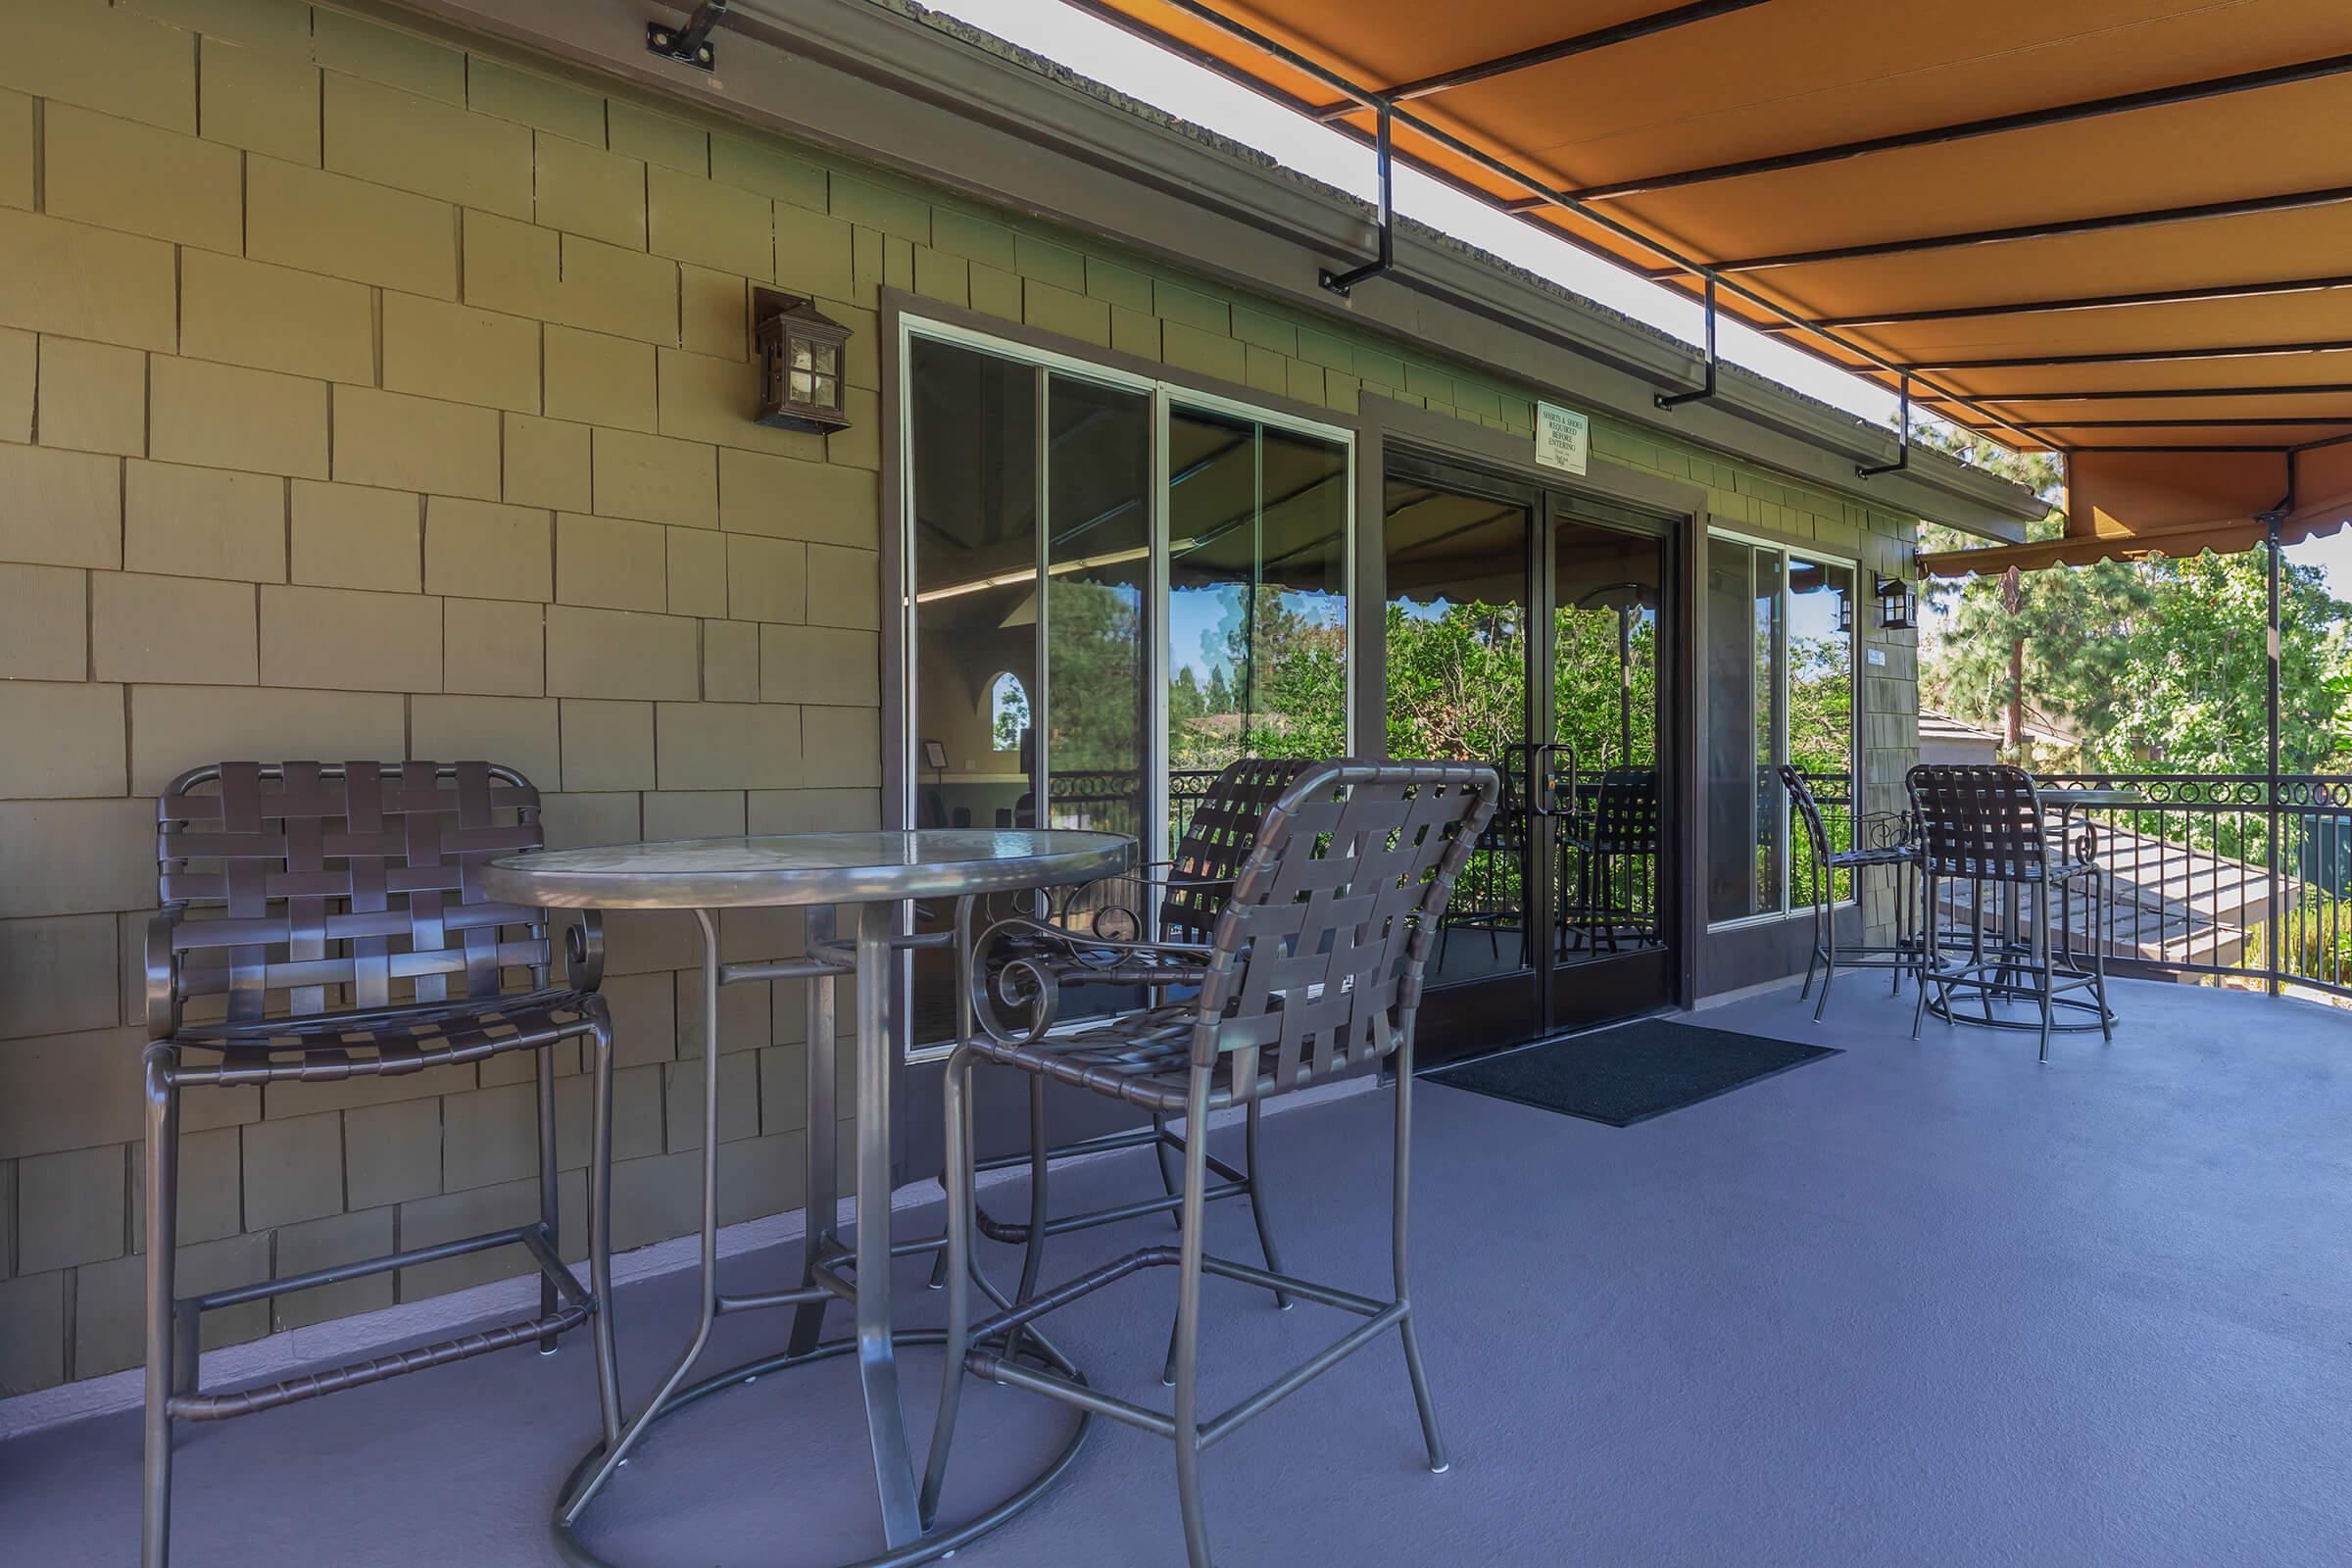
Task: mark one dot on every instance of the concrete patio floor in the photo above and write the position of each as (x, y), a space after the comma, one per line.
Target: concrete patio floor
(1911, 1304)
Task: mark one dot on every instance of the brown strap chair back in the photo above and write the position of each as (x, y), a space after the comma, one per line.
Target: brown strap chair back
(1223, 828)
(1316, 963)
(1979, 820)
(350, 880)
(1625, 811)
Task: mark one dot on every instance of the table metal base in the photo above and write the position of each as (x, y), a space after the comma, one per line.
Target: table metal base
(856, 1272)
(927, 1549)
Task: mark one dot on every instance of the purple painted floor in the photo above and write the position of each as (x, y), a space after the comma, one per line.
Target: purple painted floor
(1912, 1305)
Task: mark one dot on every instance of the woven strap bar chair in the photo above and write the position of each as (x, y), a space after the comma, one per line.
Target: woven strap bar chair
(323, 922)
(1615, 847)
(1893, 845)
(1987, 825)
(1312, 975)
(1022, 964)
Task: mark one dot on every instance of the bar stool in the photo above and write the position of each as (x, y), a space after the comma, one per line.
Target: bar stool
(350, 893)
(1897, 849)
(1986, 824)
(1025, 962)
(1313, 976)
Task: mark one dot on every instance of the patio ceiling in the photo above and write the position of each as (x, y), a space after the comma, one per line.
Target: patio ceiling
(2114, 229)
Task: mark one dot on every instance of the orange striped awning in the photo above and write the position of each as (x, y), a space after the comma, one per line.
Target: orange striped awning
(2120, 229)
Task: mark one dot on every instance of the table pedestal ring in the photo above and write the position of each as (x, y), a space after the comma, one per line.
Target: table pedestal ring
(872, 873)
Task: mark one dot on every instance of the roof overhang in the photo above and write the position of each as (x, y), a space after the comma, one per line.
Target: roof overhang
(886, 86)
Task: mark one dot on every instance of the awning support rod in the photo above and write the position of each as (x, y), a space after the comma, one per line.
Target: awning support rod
(2058, 229)
(1967, 129)
(1383, 160)
(1545, 54)
(1902, 449)
(2271, 520)
(1675, 400)
(2048, 361)
(2135, 394)
(2080, 302)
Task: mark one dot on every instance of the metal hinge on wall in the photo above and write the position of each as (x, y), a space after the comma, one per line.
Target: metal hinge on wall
(691, 44)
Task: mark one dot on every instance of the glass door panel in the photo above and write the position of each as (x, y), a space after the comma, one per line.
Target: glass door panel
(1458, 651)
(1604, 781)
(1257, 597)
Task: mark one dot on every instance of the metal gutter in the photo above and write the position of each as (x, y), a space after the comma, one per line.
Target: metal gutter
(975, 117)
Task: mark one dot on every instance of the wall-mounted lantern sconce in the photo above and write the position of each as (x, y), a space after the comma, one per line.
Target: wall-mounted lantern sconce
(1898, 603)
(800, 383)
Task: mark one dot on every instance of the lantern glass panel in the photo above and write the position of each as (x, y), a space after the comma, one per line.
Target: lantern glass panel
(827, 358)
(802, 387)
(827, 391)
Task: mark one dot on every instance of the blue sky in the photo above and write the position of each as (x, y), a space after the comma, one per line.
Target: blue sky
(1095, 48)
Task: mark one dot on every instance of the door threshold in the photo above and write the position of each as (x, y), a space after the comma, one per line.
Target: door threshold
(1662, 1011)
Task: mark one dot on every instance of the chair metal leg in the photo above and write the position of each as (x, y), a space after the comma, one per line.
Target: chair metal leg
(1930, 953)
(1825, 928)
(1401, 1209)
(550, 1224)
(1187, 1324)
(1033, 1251)
(1258, 1205)
(1167, 1169)
(2045, 959)
(821, 1207)
(600, 1224)
(163, 1204)
(957, 1175)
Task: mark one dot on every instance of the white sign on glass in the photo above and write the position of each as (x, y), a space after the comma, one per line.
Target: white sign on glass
(1563, 438)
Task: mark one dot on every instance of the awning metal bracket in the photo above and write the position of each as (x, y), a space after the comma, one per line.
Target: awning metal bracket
(1706, 388)
(1341, 282)
(1902, 449)
(691, 44)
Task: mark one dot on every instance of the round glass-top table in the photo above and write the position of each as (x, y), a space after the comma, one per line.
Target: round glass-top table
(867, 876)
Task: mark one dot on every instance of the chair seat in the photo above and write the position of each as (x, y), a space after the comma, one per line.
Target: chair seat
(387, 1043)
(1890, 855)
(1142, 1058)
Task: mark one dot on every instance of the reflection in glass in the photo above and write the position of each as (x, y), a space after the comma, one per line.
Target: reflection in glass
(1602, 775)
(1098, 567)
(1821, 706)
(1780, 688)
(1257, 597)
(1456, 653)
(1734, 761)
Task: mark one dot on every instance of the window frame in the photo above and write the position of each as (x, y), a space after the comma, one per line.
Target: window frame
(1165, 393)
(1789, 551)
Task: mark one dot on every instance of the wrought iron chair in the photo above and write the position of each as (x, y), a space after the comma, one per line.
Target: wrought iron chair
(1894, 847)
(330, 915)
(1985, 825)
(1617, 847)
(1024, 962)
(1313, 975)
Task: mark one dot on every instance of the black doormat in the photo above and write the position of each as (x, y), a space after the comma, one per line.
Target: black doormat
(1630, 1073)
